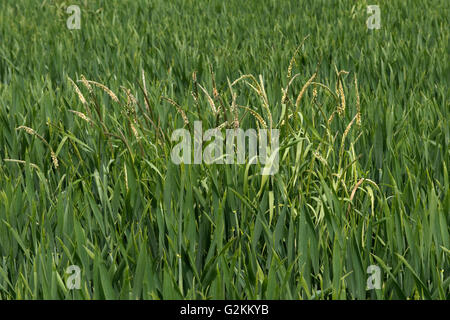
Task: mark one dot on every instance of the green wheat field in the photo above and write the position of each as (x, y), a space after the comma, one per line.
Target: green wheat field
(87, 180)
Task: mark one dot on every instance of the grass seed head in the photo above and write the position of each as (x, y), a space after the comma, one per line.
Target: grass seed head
(302, 92)
(106, 89)
(86, 84)
(77, 90)
(358, 105)
(54, 159)
(81, 115)
(27, 130)
(341, 107)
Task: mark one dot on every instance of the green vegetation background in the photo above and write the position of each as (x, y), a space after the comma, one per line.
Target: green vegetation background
(140, 227)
